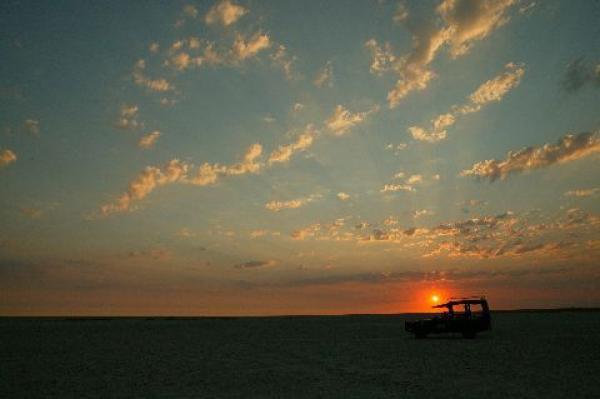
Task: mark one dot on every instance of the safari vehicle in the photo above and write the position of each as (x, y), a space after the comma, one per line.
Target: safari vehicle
(467, 316)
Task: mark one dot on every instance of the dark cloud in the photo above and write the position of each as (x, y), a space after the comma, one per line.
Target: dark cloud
(580, 73)
(254, 264)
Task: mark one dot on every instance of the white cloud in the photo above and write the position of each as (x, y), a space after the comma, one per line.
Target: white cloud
(225, 13)
(414, 179)
(148, 141)
(128, 117)
(140, 78)
(343, 120)
(176, 171)
(397, 187)
(588, 192)
(190, 11)
(7, 157)
(298, 107)
(422, 212)
(244, 47)
(32, 126)
(285, 152)
(396, 148)
(568, 148)
(258, 233)
(343, 196)
(492, 90)
(151, 178)
(325, 76)
(401, 13)
(463, 23)
(277, 206)
(382, 58)
(208, 174)
(418, 133)
(282, 59)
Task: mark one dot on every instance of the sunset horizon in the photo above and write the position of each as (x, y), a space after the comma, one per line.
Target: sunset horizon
(262, 158)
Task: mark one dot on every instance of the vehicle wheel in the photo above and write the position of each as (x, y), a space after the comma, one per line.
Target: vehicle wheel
(469, 334)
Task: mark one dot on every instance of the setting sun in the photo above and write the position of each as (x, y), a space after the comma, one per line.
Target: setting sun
(435, 298)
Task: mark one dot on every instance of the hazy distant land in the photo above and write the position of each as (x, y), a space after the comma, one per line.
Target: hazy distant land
(528, 354)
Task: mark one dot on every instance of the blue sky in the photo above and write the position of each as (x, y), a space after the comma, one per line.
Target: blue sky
(356, 153)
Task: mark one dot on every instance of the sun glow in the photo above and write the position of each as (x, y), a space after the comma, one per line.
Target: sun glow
(435, 298)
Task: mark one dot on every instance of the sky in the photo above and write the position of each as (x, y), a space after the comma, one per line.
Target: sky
(284, 157)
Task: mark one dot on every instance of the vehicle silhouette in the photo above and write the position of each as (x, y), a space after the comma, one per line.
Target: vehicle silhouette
(471, 317)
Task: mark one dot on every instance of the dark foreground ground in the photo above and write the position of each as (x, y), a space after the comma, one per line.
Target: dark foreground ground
(527, 355)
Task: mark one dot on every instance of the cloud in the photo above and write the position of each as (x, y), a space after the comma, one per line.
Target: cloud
(154, 47)
(408, 185)
(190, 11)
(343, 196)
(184, 232)
(463, 23)
(342, 120)
(128, 117)
(208, 174)
(277, 206)
(7, 157)
(225, 13)
(492, 90)
(526, 8)
(32, 213)
(148, 141)
(31, 126)
(414, 179)
(382, 58)
(140, 79)
(244, 47)
(469, 21)
(401, 13)
(324, 76)
(321, 231)
(397, 187)
(285, 152)
(258, 233)
(151, 178)
(422, 212)
(282, 59)
(568, 148)
(396, 148)
(589, 192)
(181, 61)
(255, 264)
(578, 74)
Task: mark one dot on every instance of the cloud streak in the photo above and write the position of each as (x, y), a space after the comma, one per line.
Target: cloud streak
(277, 206)
(146, 142)
(285, 152)
(342, 120)
(492, 90)
(568, 148)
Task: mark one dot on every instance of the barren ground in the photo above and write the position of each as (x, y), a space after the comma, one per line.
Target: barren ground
(527, 355)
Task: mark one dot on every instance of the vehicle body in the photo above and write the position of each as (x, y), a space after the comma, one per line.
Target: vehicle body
(467, 316)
